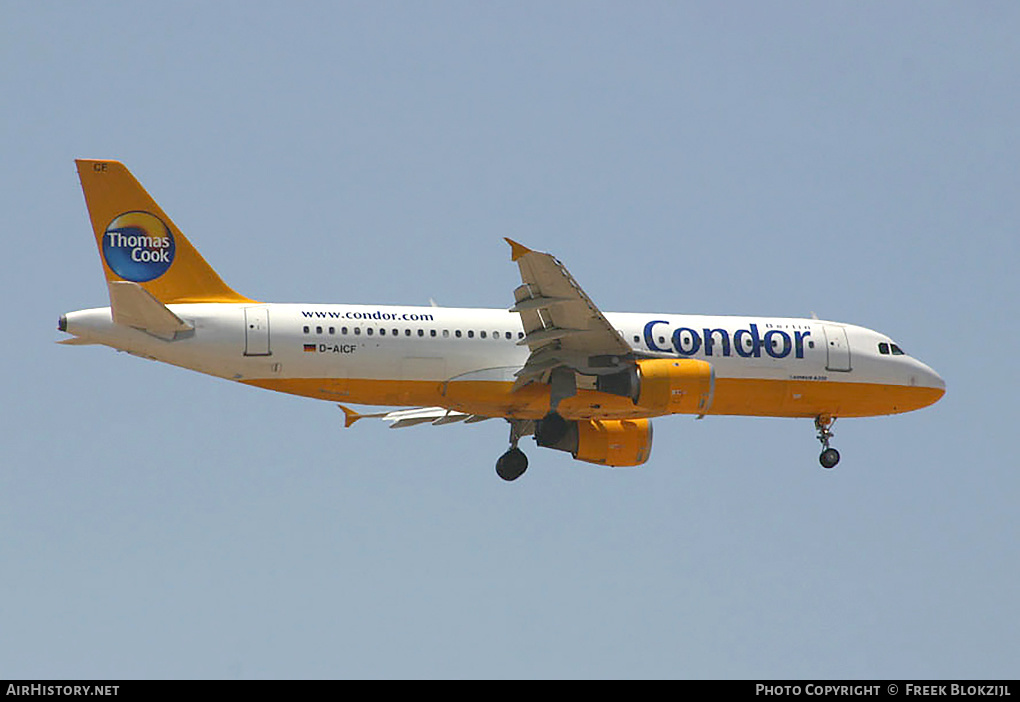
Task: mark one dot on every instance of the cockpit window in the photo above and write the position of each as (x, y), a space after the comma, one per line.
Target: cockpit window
(887, 348)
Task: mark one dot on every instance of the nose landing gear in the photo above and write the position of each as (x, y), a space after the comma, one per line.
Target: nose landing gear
(829, 456)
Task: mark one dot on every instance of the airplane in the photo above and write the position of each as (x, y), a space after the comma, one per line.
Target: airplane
(553, 365)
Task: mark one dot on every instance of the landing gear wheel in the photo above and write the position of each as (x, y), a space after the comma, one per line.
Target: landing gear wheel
(829, 458)
(512, 464)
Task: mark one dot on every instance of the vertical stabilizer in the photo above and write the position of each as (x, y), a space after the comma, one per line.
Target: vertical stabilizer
(139, 243)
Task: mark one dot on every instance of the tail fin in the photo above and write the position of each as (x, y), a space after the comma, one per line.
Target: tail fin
(139, 243)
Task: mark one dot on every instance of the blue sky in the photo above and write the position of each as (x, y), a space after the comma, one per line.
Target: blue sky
(856, 160)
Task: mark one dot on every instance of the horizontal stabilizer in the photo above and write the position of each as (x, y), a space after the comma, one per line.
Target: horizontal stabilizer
(134, 306)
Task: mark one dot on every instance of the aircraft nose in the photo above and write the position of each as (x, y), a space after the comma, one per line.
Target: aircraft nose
(927, 377)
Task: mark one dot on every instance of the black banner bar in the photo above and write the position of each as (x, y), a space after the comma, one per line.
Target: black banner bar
(787, 689)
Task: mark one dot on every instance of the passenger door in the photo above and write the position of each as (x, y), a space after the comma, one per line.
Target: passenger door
(838, 348)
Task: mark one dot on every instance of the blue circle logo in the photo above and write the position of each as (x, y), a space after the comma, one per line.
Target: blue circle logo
(138, 246)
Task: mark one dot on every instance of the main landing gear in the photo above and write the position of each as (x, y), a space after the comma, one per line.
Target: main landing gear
(512, 464)
(548, 431)
(829, 456)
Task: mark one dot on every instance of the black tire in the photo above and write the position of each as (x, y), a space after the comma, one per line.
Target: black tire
(829, 458)
(550, 430)
(512, 464)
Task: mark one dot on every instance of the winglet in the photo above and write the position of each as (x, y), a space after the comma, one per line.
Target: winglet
(350, 416)
(516, 250)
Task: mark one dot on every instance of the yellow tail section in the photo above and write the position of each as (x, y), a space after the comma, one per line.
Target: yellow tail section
(139, 243)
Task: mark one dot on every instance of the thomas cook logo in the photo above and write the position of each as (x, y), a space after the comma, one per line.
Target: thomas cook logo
(138, 246)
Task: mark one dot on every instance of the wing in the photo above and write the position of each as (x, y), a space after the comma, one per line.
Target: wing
(563, 328)
(410, 417)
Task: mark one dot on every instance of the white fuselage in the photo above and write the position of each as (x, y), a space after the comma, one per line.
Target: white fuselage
(267, 344)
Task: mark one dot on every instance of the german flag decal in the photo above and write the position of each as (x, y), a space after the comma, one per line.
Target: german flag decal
(309, 348)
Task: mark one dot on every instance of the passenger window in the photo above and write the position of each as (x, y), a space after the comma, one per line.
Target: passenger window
(369, 331)
(332, 330)
(637, 339)
(421, 332)
(509, 336)
(382, 332)
(318, 330)
(457, 333)
(432, 332)
(343, 330)
(307, 330)
(481, 334)
(357, 331)
(883, 348)
(396, 332)
(520, 335)
(471, 334)
(446, 333)
(495, 335)
(407, 332)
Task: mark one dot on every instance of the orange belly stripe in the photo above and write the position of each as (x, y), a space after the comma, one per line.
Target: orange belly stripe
(733, 396)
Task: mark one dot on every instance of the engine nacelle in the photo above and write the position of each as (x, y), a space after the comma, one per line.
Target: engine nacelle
(607, 442)
(665, 385)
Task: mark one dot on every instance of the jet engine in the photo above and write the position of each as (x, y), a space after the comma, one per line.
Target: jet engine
(664, 385)
(607, 442)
